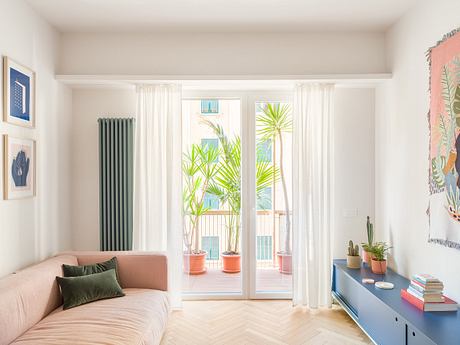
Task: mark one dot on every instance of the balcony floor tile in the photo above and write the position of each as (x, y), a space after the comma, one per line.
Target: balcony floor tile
(216, 281)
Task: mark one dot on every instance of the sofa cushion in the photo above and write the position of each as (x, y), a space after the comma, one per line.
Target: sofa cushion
(29, 295)
(89, 288)
(139, 318)
(77, 271)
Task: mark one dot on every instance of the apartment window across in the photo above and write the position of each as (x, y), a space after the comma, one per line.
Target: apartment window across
(209, 106)
(264, 200)
(264, 248)
(211, 245)
(264, 151)
(211, 202)
(210, 143)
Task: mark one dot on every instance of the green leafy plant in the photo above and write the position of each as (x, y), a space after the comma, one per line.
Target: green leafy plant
(353, 250)
(380, 251)
(226, 184)
(437, 165)
(199, 168)
(370, 236)
(448, 95)
(274, 121)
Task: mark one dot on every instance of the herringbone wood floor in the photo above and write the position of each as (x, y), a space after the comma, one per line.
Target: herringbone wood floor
(260, 323)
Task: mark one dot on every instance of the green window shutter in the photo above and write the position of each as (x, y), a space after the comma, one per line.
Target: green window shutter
(211, 245)
(264, 248)
(264, 151)
(211, 201)
(264, 200)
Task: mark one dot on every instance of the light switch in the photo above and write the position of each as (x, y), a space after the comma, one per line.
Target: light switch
(350, 212)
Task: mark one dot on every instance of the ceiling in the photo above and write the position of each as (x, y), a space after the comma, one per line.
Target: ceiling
(220, 15)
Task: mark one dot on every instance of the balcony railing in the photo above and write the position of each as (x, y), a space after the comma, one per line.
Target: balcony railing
(269, 237)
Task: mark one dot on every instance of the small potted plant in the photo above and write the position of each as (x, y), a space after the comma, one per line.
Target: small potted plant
(353, 258)
(379, 254)
(367, 247)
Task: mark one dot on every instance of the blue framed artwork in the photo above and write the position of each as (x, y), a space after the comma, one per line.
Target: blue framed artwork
(209, 106)
(19, 168)
(19, 94)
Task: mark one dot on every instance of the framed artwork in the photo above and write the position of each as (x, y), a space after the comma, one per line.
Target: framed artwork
(444, 151)
(19, 168)
(18, 94)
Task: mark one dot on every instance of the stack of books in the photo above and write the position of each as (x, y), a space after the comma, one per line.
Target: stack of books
(426, 293)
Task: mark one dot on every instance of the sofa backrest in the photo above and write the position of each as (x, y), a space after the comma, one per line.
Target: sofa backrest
(147, 270)
(28, 295)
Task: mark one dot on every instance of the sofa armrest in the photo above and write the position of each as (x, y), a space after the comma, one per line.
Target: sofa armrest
(146, 270)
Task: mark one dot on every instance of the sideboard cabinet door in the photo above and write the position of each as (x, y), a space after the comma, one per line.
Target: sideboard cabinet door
(414, 337)
(384, 325)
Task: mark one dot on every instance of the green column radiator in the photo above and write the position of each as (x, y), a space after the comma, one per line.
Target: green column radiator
(116, 152)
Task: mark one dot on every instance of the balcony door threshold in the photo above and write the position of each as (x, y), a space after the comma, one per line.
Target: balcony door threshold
(235, 296)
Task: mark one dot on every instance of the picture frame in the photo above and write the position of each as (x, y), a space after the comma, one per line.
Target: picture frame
(18, 94)
(19, 171)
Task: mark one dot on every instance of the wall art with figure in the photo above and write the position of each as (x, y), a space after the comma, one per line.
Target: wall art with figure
(19, 94)
(444, 125)
(19, 168)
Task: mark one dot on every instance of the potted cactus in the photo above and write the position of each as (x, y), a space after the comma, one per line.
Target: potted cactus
(353, 258)
(367, 247)
(379, 254)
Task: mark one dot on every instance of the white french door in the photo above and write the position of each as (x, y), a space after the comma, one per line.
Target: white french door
(261, 213)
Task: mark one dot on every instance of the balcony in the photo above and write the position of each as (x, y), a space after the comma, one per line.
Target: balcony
(269, 239)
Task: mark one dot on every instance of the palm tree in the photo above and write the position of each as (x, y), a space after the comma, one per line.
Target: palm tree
(199, 168)
(274, 121)
(226, 185)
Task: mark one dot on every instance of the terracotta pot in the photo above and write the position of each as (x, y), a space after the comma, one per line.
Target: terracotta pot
(285, 263)
(379, 267)
(231, 263)
(367, 257)
(195, 263)
(353, 261)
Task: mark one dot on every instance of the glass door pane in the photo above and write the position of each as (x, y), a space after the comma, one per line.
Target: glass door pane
(273, 197)
(212, 196)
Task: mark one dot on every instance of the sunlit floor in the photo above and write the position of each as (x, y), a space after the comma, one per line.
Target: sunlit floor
(216, 281)
(260, 323)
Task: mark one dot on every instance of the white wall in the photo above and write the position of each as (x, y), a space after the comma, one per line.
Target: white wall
(353, 144)
(88, 105)
(222, 54)
(31, 229)
(402, 140)
(354, 166)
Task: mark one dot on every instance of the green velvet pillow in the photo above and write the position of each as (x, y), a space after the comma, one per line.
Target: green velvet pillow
(78, 271)
(80, 290)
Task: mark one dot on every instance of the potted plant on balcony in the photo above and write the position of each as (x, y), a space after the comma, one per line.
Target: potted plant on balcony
(226, 185)
(379, 254)
(367, 247)
(274, 121)
(199, 168)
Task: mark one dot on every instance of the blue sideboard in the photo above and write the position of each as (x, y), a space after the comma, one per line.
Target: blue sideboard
(384, 316)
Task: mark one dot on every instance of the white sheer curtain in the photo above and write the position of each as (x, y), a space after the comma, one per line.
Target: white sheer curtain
(312, 204)
(158, 178)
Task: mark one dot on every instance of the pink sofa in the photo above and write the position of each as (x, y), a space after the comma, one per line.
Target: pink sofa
(31, 306)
